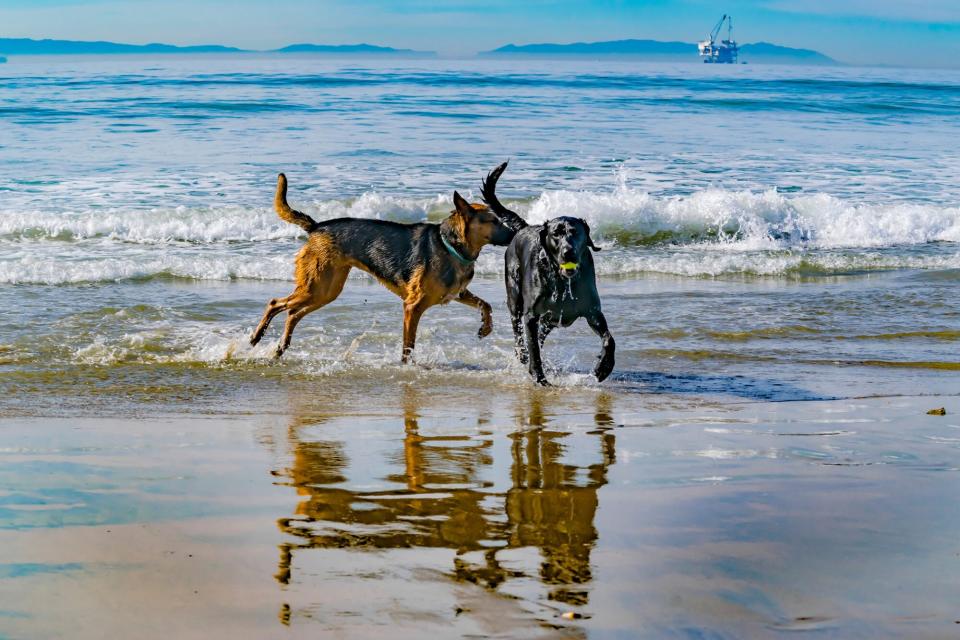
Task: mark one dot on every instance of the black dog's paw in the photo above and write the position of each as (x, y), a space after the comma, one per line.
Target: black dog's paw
(604, 367)
(539, 376)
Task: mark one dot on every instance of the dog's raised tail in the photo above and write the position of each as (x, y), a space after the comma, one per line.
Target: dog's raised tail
(287, 214)
(488, 188)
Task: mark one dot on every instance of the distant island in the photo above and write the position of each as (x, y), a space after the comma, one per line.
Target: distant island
(760, 52)
(351, 48)
(29, 47)
(766, 53)
(613, 47)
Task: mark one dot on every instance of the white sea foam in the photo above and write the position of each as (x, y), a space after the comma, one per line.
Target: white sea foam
(196, 225)
(371, 353)
(47, 270)
(707, 233)
(753, 220)
(685, 261)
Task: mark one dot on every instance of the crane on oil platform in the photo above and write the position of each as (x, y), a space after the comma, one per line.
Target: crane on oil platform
(723, 51)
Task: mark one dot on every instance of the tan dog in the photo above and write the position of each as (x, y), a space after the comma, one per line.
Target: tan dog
(425, 264)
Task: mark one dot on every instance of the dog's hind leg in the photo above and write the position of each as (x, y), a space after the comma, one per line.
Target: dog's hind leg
(515, 307)
(293, 317)
(519, 347)
(323, 290)
(275, 306)
(531, 326)
(605, 361)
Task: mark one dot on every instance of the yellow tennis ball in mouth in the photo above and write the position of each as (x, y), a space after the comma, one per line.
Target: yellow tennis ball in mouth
(569, 265)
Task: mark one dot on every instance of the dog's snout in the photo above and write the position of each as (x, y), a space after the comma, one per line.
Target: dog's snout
(502, 235)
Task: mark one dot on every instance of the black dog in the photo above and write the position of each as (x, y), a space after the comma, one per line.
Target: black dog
(550, 281)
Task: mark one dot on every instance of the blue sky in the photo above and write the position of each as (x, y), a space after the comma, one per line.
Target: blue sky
(921, 32)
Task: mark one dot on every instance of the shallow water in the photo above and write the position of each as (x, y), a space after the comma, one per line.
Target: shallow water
(117, 348)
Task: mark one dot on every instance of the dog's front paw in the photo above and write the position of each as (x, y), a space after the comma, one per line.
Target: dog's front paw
(485, 329)
(604, 366)
(486, 321)
(540, 377)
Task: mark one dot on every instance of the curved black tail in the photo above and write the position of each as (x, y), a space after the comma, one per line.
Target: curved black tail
(488, 190)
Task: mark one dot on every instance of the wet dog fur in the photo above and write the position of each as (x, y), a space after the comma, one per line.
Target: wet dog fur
(411, 260)
(542, 294)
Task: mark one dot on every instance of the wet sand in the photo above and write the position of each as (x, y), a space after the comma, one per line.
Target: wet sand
(472, 515)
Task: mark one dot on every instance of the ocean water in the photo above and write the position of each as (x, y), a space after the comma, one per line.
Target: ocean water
(764, 225)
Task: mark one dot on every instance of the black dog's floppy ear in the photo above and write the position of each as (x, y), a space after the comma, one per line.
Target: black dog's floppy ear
(589, 239)
(543, 234)
(462, 206)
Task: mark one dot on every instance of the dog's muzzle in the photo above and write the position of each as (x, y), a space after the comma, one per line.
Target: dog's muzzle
(502, 236)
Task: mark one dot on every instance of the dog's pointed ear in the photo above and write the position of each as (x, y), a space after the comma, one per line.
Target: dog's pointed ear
(589, 239)
(461, 206)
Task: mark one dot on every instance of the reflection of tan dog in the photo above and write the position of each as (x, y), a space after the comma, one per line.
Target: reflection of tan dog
(425, 264)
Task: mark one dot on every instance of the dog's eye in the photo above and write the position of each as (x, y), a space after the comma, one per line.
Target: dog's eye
(558, 231)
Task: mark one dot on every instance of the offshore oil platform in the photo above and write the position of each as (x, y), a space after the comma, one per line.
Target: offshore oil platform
(720, 52)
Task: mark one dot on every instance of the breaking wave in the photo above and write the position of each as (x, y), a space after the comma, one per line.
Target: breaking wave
(707, 233)
(194, 225)
(750, 220)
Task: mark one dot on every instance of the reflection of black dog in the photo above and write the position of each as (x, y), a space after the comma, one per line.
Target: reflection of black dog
(550, 282)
